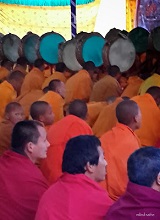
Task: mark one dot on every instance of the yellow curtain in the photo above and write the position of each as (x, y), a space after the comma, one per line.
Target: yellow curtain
(17, 19)
(130, 14)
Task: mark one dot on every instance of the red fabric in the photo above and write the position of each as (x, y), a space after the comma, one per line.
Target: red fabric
(138, 202)
(58, 135)
(74, 197)
(21, 186)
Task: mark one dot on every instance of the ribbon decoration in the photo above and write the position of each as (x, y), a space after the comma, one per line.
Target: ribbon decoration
(73, 18)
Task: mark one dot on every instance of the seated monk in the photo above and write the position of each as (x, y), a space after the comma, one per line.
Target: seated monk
(141, 199)
(58, 74)
(55, 97)
(76, 195)
(13, 114)
(79, 85)
(10, 89)
(60, 132)
(42, 111)
(21, 182)
(148, 103)
(5, 69)
(21, 65)
(118, 144)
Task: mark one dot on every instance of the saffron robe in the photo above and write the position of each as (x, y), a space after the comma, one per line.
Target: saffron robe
(21, 187)
(4, 72)
(138, 202)
(56, 102)
(78, 86)
(55, 75)
(7, 94)
(153, 80)
(106, 119)
(149, 132)
(106, 87)
(134, 83)
(58, 135)
(118, 144)
(33, 80)
(74, 197)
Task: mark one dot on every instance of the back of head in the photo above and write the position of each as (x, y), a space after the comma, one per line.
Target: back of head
(39, 63)
(78, 152)
(54, 84)
(38, 108)
(7, 64)
(78, 108)
(22, 61)
(154, 91)
(126, 112)
(15, 76)
(89, 66)
(23, 133)
(144, 166)
(113, 70)
(60, 67)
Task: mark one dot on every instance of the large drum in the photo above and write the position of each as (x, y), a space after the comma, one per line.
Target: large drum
(48, 46)
(30, 47)
(89, 48)
(139, 37)
(1, 51)
(154, 39)
(121, 53)
(11, 46)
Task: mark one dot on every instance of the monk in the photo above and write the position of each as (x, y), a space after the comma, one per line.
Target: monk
(107, 86)
(79, 85)
(106, 119)
(21, 65)
(35, 78)
(21, 182)
(5, 69)
(42, 111)
(58, 74)
(55, 97)
(118, 144)
(10, 89)
(148, 103)
(13, 114)
(77, 195)
(70, 126)
(141, 199)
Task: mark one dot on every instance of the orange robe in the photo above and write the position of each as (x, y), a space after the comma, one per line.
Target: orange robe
(21, 69)
(56, 102)
(27, 99)
(6, 128)
(134, 83)
(149, 132)
(153, 80)
(55, 75)
(7, 94)
(78, 86)
(118, 144)
(106, 119)
(106, 87)
(33, 80)
(4, 72)
(94, 108)
(58, 135)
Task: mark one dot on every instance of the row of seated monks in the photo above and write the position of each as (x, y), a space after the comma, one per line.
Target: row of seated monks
(81, 145)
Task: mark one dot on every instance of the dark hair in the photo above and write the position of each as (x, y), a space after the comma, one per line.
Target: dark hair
(89, 65)
(15, 75)
(144, 165)
(23, 133)
(6, 62)
(154, 91)
(38, 108)
(39, 63)
(60, 67)
(78, 108)
(22, 61)
(78, 152)
(113, 70)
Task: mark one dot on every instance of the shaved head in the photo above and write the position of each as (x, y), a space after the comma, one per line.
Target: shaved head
(54, 84)
(154, 91)
(12, 106)
(78, 108)
(38, 108)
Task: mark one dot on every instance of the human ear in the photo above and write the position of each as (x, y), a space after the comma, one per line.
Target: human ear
(29, 147)
(90, 168)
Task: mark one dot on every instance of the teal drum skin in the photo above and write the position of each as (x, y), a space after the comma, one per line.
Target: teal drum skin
(48, 46)
(90, 49)
(30, 44)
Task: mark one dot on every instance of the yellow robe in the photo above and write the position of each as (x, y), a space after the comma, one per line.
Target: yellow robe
(56, 102)
(153, 80)
(106, 87)
(4, 72)
(78, 86)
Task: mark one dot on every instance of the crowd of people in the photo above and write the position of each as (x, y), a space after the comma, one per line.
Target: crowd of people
(79, 145)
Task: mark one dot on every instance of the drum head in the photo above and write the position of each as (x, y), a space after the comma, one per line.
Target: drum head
(69, 55)
(48, 47)
(30, 44)
(155, 38)
(120, 53)
(139, 37)
(89, 48)
(11, 46)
